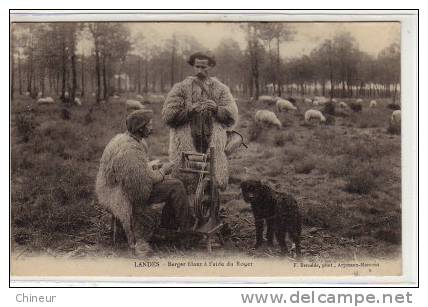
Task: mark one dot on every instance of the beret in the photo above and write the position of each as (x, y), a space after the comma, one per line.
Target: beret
(202, 55)
(138, 119)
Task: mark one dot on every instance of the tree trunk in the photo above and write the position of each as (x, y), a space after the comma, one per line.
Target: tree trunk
(82, 77)
(162, 82)
(139, 76)
(12, 83)
(181, 70)
(64, 67)
(172, 66)
(119, 82)
(34, 80)
(395, 93)
(73, 76)
(51, 82)
(153, 83)
(255, 73)
(30, 73)
(331, 79)
(20, 75)
(57, 82)
(256, 81)
(343, 89)
(108, 78)
(278, 63)
(104, 79)
(323, 87)
(252, 48)
(146, 77)
(98, 73)
(42, 81)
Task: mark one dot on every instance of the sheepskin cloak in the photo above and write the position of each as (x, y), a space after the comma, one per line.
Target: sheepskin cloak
(175, 115)
(124, 178)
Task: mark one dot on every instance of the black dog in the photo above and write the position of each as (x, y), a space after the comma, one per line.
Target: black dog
(280, 211)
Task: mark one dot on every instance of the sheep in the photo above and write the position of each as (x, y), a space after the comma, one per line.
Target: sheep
(373, 104)
(156, 98)
(291, 99)
(343, 105)
(314, 114)
(77, 101)
(133, 105)
(27, 93)
(268, 99)
(320, 99)
(284, 105)
(280, 211)
(359, 100)
(267, 117)
(308, 100)
(396, 117)
(47, 100)
(334, 100)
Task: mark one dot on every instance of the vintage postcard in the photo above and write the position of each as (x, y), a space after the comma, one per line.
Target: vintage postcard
(150, 146)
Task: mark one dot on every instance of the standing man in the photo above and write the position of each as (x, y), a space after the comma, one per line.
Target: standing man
(198, 111)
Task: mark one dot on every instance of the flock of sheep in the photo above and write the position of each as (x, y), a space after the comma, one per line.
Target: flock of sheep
(261, 116)
(50, 100)
(267, 117)
(130, 103)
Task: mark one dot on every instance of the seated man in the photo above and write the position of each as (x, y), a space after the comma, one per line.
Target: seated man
(126, 182)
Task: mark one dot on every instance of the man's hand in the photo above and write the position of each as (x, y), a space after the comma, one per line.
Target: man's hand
(167, 168)
(196, 107)
(155, 164)
(208, 105)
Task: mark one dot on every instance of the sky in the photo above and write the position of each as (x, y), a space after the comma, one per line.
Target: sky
(371, 37)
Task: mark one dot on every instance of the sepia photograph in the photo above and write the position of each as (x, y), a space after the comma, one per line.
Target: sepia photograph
(206, 148)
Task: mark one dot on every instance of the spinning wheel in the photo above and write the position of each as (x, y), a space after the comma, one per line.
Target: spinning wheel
(207, 198)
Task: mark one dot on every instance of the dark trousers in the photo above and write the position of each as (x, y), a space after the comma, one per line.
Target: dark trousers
(176, 213)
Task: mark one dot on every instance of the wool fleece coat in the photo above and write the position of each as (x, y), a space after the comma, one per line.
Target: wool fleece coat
(175, 114)
(124, 178)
